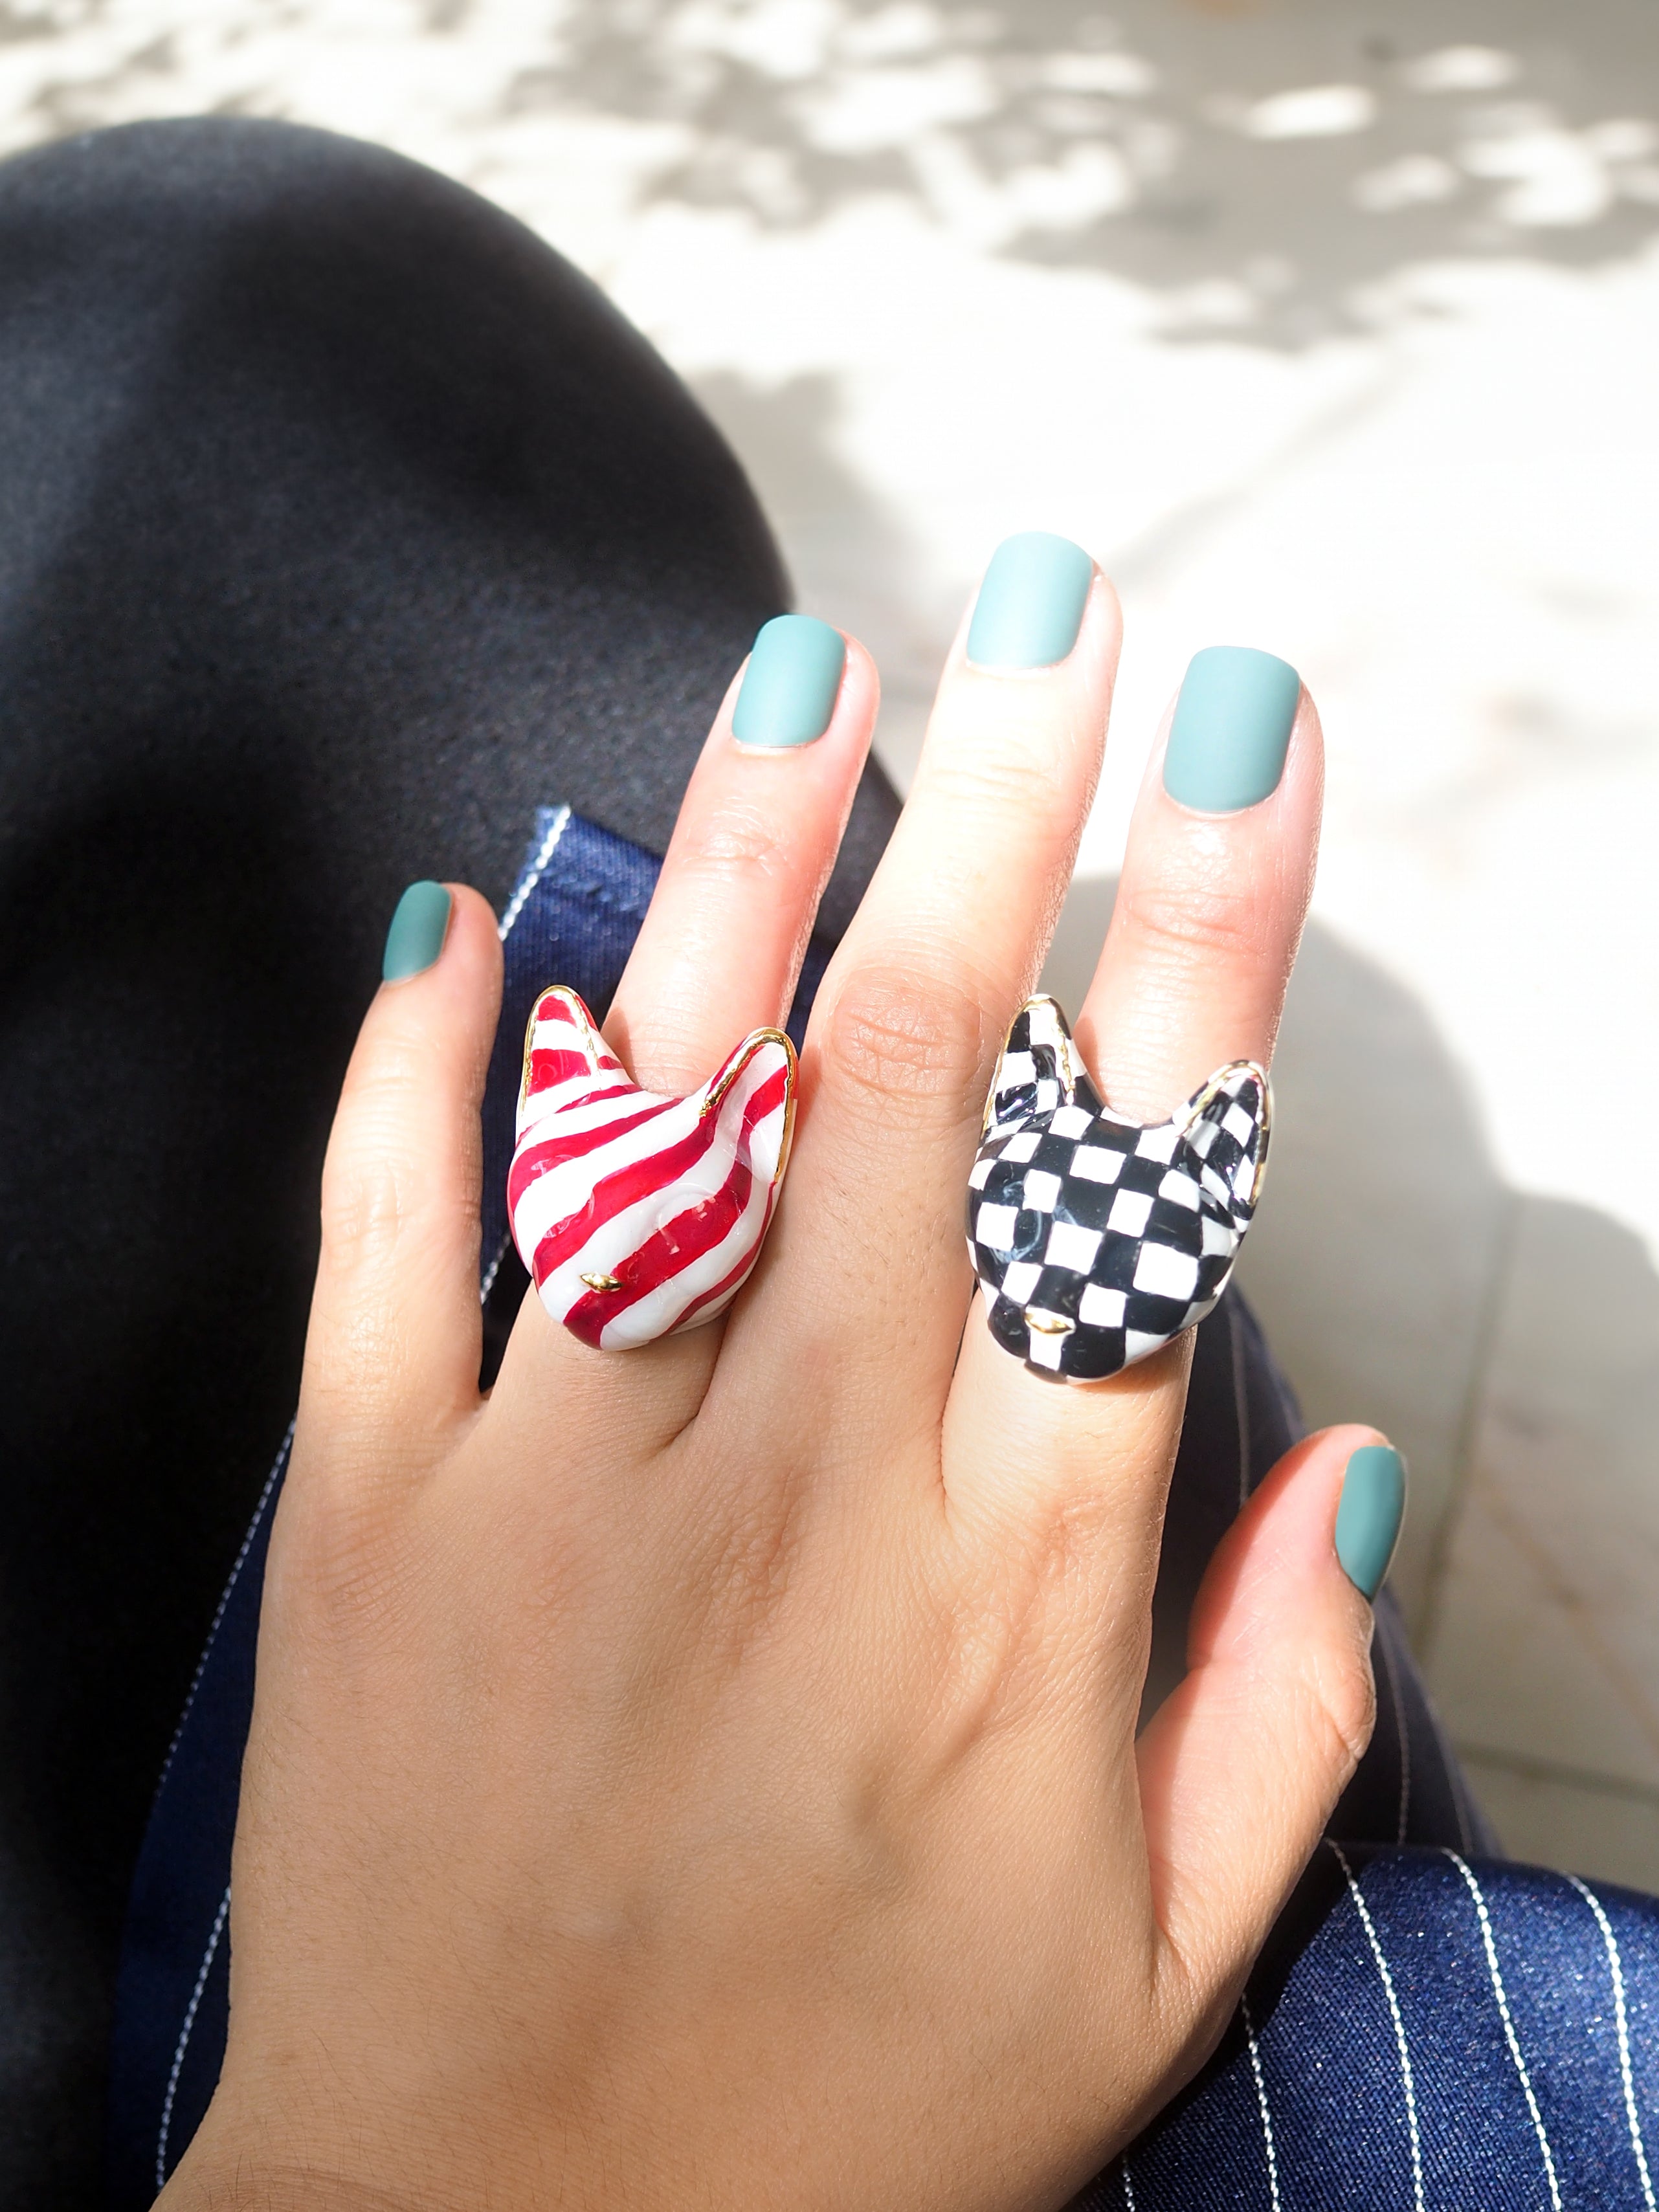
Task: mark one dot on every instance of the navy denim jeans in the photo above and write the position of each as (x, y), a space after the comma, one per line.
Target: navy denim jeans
(1428, 2027)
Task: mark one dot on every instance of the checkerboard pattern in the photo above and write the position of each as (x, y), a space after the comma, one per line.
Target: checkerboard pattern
(1095, 1239)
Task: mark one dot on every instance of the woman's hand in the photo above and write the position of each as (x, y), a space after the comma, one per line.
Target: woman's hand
(707, 1775)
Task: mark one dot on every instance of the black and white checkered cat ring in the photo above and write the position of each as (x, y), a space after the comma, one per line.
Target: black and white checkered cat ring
(1097, 1240)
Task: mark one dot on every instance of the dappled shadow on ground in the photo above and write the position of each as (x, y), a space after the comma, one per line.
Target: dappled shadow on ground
(1266, 169)
(1263, 168)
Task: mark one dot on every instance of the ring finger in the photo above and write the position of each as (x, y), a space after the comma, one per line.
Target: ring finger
(1209, 910)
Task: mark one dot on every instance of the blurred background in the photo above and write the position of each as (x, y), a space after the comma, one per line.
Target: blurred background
(1331, 328)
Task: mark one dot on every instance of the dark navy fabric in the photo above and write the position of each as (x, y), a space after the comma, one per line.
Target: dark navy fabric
(1426, 2028)
(572, 918)
(1428, 2032)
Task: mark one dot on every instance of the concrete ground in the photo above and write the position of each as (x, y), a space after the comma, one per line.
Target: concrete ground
(1332, 328)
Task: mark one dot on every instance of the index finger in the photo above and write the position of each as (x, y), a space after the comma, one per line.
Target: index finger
(757, 836)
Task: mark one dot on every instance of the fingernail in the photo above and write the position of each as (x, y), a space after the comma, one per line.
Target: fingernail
(1231, 729)
(417, 932)
(1369, 1517)
(790, 685)
(1029, 607)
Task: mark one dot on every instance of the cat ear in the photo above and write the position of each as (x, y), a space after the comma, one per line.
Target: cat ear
(1226, 1124)
(752, 1098)
(562, 1040)
(1040, 1069)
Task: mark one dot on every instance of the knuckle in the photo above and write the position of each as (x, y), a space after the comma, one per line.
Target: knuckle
(1344, 1698)
(898, 1033)
(380, 1176)
(367, 1204)
(1189, 925)
(1022, 780)
(342, 1560)
(739, 845)
(757, 1569)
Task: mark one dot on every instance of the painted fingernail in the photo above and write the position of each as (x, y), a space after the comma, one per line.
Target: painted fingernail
(1369, 1517)
(789, 687)
(1231, 729)
(417, 932)
(1029, 607)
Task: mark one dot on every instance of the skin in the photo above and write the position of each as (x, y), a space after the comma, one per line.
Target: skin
(707, 1775)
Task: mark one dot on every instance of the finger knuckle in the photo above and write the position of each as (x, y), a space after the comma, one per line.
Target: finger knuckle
(902, 1034)
(345, 1568)
(1344, 1697)
(740, 845)
(1194, 925)
(1016, 779)
(379, 1178)
(367, 1204)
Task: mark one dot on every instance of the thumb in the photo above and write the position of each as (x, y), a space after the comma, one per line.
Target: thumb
(1242, 1765)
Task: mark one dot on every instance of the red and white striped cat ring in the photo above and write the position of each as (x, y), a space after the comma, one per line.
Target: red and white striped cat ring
(636, 1214)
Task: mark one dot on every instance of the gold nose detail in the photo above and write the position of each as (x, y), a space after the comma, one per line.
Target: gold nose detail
(1048, 1324)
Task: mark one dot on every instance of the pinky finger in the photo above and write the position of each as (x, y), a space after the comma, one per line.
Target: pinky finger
(1242, 1765)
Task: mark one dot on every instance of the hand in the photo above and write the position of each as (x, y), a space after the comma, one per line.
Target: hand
(707, 1775)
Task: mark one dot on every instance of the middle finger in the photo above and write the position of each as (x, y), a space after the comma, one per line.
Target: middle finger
(948, 940)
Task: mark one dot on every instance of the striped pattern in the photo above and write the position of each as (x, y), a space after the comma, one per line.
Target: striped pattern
(636, 1214)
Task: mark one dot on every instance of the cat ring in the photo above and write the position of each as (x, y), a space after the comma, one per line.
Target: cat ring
(1096, 1240)
(637, 1215)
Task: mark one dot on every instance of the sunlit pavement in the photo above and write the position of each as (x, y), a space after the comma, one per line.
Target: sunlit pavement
(1328, 329)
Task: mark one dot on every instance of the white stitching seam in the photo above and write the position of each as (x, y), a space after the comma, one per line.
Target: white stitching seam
(532, 874)
(526, 884)
(1509, 2036)
(494, 1269)
(183, 2044)
(276, 1467)
(1366, 1923)
(1616, 1968)
(218, 1929)
(1128, 2189)
(534, 870)
(1262, 2100)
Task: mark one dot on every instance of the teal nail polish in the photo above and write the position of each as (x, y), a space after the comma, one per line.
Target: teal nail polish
(1369, 1517)
(417, 932)
(1029, 607)
(1231, 729)
(790, 685)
